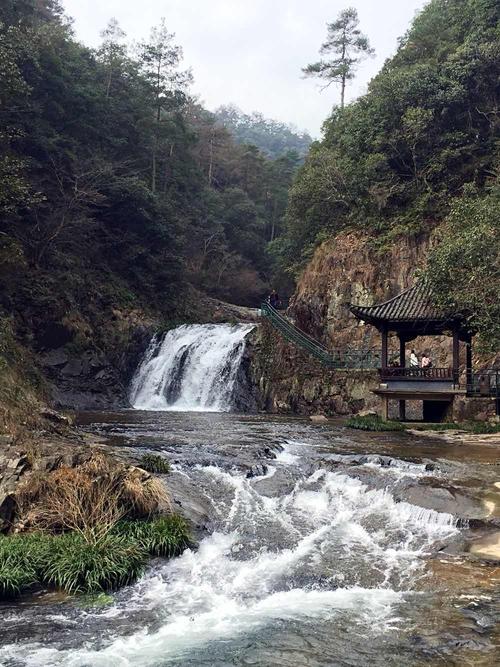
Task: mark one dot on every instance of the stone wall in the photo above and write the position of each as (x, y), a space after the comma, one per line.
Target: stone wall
(287, 380)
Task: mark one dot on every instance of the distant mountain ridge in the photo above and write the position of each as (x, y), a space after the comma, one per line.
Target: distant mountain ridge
(274, 138)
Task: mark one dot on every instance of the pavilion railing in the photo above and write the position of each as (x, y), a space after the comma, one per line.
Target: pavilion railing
(353, 358)
(417, 373)
(484, 383)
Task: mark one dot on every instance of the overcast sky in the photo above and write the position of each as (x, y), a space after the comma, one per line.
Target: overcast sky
(250, 52)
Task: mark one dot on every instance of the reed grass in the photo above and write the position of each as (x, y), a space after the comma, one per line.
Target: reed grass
(374, 423)
(165, 536)
(76, 566)
(71, 563)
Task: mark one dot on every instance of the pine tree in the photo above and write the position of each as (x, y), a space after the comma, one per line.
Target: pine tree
(349, 46)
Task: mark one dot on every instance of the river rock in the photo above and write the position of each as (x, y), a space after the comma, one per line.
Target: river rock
(442, 500)
(54, 416)
(487, 548)
(318, 418)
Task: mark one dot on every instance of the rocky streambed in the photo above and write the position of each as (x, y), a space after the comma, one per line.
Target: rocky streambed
(317, 546)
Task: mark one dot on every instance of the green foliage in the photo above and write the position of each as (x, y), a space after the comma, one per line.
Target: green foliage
(117, 190)
(165, 536)
(273, 138)
(482, 427)
(21, 561)
(76, 566)
(72, 564)
(13, 580)
(464, 266)
(373, 423)
(154, 463)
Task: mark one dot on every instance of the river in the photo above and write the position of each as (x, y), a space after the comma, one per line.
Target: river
(314, 550)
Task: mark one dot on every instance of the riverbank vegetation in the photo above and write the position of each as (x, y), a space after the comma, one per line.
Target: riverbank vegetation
(417, 156)
(88, 528)
(70, 563)
(376, 423)
(155, 463)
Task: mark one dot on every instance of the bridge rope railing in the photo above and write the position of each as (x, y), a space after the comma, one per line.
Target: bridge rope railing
(361, 359)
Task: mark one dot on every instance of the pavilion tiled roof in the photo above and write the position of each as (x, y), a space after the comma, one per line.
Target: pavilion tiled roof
(414, 304)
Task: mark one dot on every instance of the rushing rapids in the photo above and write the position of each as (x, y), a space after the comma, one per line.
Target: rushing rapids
(192, 368)
(306, 556)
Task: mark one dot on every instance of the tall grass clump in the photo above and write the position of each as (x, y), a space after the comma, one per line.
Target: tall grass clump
(93, 528)
(164, 536)
(89, 499)
(154, 463)
(374, 423)
(76, 566)
(21, 559)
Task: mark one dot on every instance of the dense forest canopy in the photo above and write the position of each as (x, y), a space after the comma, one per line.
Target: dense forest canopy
(117, 188)
(422, 142)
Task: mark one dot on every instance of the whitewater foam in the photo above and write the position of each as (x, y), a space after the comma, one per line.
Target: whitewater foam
(192, 368)
(329, 547)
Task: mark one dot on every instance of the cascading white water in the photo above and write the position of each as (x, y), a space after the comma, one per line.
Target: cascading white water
(331, 550)
(192, 368)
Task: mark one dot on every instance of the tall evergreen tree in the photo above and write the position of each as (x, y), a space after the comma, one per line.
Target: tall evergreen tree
(348, 45)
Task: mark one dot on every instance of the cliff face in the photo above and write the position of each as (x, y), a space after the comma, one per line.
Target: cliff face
(348, 269)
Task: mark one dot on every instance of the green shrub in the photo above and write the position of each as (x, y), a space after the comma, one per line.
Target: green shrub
(21, 557)
(154, 463)
(165, 536)
(374, 423)
(482, 427)
(14, 579)
(71, 563)
(79, 567)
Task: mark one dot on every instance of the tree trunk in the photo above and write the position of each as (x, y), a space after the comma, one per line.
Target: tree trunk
(157, 130)
(211, 159)
(342, 89)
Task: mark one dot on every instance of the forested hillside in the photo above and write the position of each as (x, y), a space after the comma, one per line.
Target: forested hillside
(273, 138)
(418, 155)
(117, 189)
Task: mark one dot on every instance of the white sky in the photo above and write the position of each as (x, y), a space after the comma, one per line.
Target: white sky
(250, 52)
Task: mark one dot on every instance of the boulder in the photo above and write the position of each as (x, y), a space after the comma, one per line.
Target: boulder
(55, 417)
(318, 418)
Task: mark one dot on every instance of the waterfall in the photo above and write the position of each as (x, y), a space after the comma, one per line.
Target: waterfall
(191, 368)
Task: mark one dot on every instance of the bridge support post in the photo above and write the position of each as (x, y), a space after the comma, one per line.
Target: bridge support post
(402, 410)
